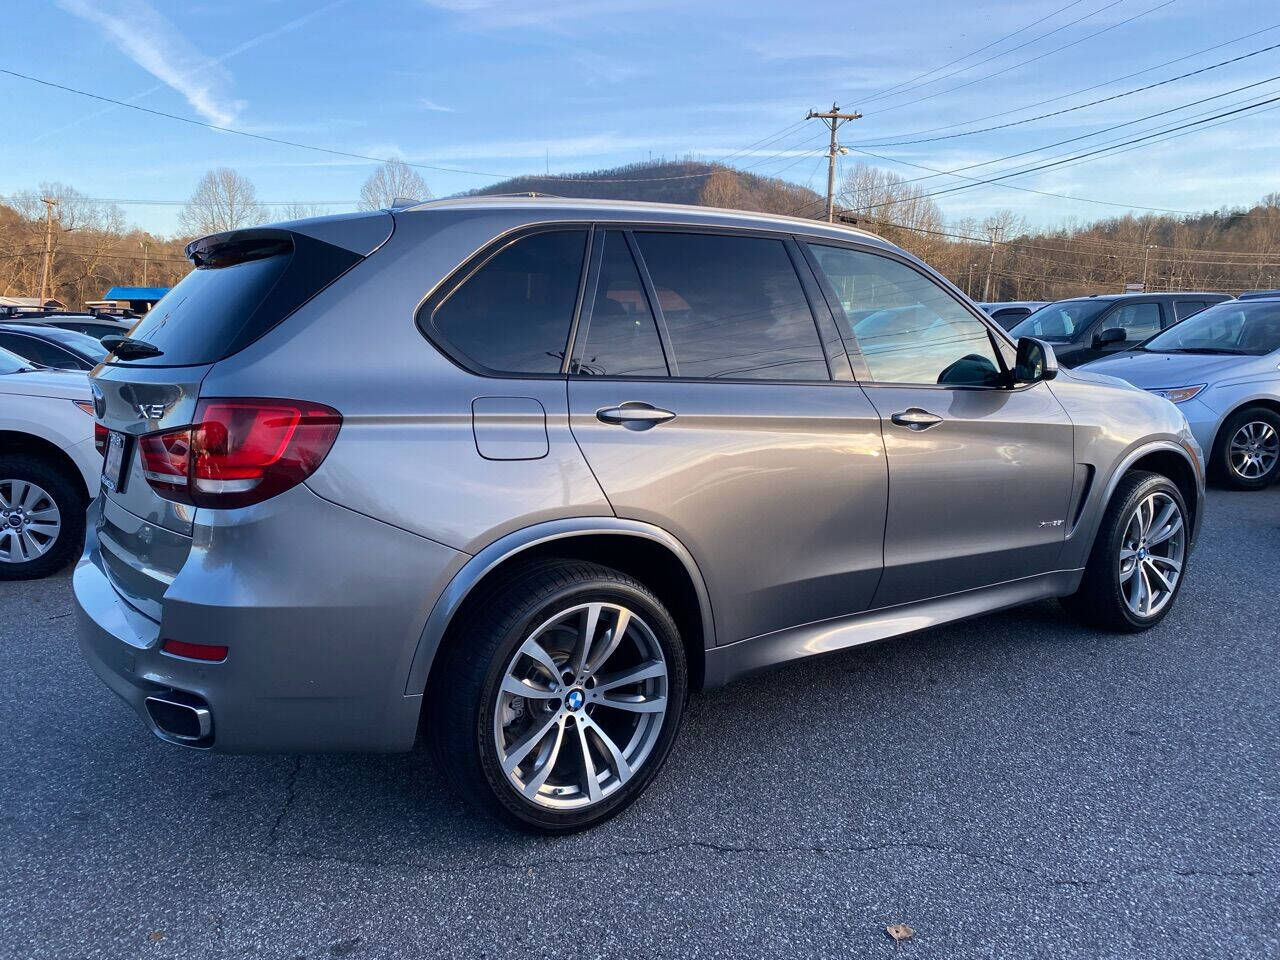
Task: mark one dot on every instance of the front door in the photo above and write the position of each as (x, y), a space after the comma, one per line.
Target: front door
(979, 474)
(1136, 320)
(715, 418)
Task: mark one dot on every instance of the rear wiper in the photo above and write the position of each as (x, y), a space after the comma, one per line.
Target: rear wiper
(126, 348)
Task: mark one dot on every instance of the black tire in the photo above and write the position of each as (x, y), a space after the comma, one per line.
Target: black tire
(66, 495)
(1099, 602)
(465, 685)
(1220, 465)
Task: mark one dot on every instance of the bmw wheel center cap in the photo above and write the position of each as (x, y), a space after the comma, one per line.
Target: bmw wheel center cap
(575, 699)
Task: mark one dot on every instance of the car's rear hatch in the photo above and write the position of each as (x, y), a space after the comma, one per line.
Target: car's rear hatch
(244, 283)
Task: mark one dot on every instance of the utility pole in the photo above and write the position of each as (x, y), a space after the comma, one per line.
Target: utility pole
(49, 204)
(968, 286)
(1146, 257)
(993, 232)
(145, 251)
(833, 118)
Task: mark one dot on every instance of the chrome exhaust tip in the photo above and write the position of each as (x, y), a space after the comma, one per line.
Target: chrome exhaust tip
(181, 716)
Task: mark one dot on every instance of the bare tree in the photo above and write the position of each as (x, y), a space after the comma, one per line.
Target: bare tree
(223, 200)
(723, 189)
(299, 211)
(394, 180)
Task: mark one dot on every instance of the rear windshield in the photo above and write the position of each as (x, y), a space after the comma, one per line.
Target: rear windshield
(243, 285)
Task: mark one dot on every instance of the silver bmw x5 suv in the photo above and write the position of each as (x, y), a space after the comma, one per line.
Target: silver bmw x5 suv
(524, 473)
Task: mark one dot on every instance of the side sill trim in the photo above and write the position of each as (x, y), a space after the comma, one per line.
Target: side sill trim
(744, 657)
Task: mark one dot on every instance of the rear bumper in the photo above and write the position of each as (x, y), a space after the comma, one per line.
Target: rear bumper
(321, 609)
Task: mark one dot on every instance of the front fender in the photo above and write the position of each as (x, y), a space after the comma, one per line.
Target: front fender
(503, 549)
(1081, 540)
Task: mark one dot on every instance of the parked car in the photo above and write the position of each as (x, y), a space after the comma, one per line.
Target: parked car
(51, 346)
(583, 458)
(1258, 294)
(1221, 368)
(48, 467)
(94, 325)
(1009, 312)
(1088, 328)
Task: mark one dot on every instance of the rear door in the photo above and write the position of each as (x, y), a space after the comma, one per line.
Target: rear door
(701, 394)
(979, 474)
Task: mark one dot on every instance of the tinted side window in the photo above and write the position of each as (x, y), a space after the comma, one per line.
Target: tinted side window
(38, 351)
(1137, 320)
(907, 327)
(1185, 308)
(620, 336)
(513, 314)
(734, 307)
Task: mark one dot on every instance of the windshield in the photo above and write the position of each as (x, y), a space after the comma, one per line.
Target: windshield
(1060, 321)
(1250, 328)
(12, 363)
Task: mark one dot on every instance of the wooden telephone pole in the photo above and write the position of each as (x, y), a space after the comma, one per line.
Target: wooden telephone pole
(49, 204)
(833, 118)
(993, 232)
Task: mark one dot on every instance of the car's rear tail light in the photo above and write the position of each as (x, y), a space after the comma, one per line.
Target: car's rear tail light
(100, 434)
(240, 451)
(195, 651)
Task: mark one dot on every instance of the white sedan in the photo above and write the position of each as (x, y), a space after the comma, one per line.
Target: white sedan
(49, 466)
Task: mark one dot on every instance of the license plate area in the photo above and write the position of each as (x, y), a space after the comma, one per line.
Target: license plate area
(113, 477)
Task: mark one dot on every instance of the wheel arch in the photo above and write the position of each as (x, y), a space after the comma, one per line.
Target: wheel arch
(1267, 403)
(29, 444)
(643, 550)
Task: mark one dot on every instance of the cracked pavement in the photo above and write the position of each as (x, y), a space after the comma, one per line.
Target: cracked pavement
(1009, 786)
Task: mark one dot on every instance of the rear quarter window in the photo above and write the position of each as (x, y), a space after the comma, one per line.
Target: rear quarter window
(511, 314)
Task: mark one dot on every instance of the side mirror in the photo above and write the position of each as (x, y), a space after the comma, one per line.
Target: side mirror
(1109, 336)
(1035, 362)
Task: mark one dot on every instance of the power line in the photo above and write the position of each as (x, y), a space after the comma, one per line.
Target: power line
(1081, 106)
(912, 85)
(1023, 63)
(791, 149)
(950, 63)
(876, 141)
(1036, 243)
(345, 153)
(957, 171)
(1116, 147)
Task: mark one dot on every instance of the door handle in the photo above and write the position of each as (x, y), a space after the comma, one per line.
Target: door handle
(916, 419)
(634, 415)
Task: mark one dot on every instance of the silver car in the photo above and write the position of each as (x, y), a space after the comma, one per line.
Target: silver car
(524, 473)
(1222, 368)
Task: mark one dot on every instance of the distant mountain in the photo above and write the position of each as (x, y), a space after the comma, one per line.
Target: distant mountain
(671, 181)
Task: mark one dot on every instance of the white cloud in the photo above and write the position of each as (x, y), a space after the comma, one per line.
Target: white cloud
(426, 104)
(151, 40)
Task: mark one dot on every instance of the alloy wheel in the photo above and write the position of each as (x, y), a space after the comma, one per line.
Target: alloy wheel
(29, 521)
(1254, 450)
(581, 706)
(1152, 552)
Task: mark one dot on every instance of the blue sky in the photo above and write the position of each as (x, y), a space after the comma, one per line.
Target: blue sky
(501, 87)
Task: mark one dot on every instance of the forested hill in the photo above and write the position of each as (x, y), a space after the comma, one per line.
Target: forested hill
(670, 181)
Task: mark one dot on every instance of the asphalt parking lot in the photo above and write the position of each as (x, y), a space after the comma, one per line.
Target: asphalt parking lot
(1013, 786)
